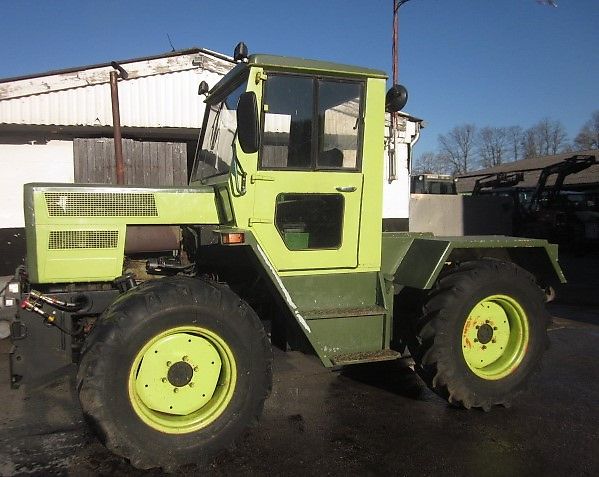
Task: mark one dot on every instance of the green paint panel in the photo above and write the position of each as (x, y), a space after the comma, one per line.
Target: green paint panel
(339, 336)
(416, 260)
(339, 290)
(314, 66)
(76, 233)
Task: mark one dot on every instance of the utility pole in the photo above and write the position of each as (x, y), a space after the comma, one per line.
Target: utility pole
(395, 49)
(395, 62)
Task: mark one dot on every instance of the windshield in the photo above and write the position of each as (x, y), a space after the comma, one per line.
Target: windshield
(216, 145)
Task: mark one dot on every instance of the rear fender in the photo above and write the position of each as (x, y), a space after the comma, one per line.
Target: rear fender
(416, 260)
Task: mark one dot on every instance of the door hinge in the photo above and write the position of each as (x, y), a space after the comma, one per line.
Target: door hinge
(257, 177)
(253, 221)
(261, 76)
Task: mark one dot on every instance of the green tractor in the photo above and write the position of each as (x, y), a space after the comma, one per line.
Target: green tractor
(281, 243)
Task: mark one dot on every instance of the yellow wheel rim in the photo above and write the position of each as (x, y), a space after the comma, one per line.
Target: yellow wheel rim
(182, 379)
(495, 337)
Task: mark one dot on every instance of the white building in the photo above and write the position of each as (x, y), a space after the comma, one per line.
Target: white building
(396, 182)
(50, 123)
(56, 127)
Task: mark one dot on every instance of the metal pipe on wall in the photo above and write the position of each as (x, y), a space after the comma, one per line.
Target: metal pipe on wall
(116, 120)
(116, 124)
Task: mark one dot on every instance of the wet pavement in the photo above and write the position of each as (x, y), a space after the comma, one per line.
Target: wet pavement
(366, 420)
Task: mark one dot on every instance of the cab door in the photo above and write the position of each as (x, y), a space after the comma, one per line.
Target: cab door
(308, 183)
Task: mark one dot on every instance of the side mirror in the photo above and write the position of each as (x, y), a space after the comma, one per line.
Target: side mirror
(247, 123)
(396, 98)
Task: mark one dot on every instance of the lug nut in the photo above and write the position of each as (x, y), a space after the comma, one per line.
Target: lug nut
(195, 368)
(185, 358)
(168, 363)
(475, 340)
(191, 385)
(493, 340)
(176, 390)
(164, 380)
(495, 328)
(484, 347)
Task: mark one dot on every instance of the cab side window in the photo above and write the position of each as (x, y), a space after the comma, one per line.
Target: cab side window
(288, 111)
(311, 123)
(338, 124)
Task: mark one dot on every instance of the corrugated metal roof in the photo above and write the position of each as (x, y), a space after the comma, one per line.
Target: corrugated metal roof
(465, 182)
(160, 92)
(170, 54)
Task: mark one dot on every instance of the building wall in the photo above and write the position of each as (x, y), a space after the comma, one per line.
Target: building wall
(461, 215)
(22, 163)
(158, 93)
(396, 192)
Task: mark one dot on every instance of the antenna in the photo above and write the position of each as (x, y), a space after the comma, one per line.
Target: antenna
(170, 42)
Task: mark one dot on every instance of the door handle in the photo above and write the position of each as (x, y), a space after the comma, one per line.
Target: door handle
(346, 188)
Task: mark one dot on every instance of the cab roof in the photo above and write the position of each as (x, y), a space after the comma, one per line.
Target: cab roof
(285, 62)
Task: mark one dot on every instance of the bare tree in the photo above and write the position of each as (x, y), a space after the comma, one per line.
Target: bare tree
(545, 138)
(426, 163)
(514, 138)
(588, 137)
(457, 148)
(492, 146)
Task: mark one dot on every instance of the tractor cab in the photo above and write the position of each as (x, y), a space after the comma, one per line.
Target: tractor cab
(293, 149)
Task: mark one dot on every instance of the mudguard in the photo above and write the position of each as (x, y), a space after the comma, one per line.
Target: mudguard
(416, 260)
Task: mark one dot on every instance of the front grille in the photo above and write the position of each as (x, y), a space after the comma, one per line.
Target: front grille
(69, 239)
(100, 204)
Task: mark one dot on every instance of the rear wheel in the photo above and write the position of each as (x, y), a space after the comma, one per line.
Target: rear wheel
(174, 371)
(481, 334)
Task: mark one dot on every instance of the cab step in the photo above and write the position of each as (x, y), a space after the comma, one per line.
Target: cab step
(365, 357)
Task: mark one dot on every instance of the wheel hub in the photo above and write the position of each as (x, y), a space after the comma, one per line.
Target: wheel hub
(180, 374)
(484, 334)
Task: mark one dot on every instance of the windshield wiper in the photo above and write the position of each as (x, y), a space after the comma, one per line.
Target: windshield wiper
(215, 127)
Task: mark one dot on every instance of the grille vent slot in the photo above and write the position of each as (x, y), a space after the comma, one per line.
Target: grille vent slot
(69, 239)
(100, 204)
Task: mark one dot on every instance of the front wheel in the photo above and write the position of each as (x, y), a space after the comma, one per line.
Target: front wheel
(481, 334)
(174, 371)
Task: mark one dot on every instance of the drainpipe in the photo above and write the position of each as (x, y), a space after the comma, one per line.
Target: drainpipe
(116, 120)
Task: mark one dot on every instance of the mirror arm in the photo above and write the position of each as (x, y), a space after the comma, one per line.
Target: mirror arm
(237, 172)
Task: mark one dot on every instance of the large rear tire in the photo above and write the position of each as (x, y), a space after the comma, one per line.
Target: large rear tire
(173, 373)
(481, 334)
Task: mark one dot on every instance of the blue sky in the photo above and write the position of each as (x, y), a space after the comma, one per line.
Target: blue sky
(489, 62)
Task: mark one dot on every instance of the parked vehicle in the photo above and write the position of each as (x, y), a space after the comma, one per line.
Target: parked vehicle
(280, 229)
(433, 184)
(565, 217)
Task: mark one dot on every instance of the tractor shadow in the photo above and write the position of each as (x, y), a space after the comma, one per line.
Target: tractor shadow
(397, 377)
